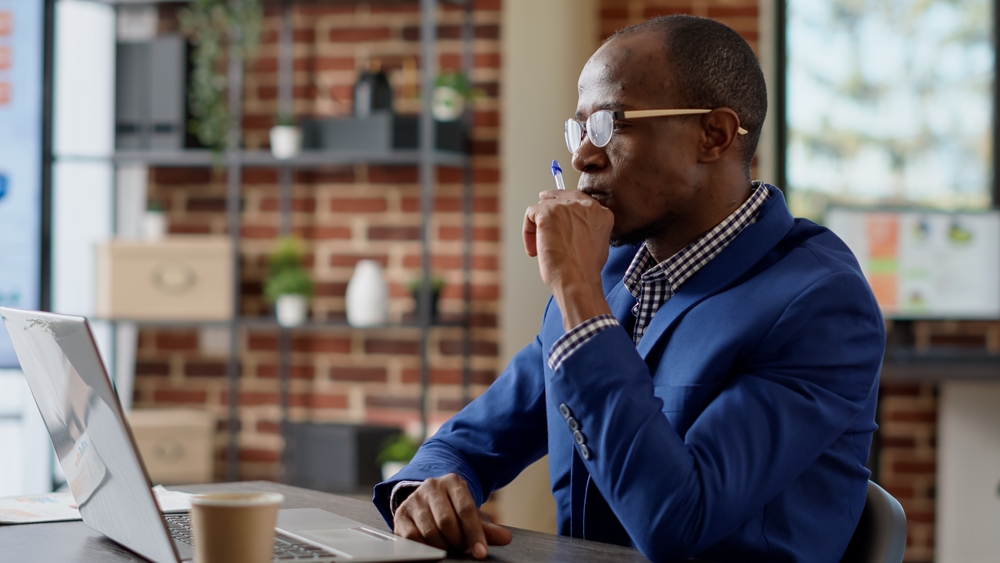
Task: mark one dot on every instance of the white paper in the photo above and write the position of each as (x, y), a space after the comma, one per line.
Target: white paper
(84, 469)
(60, 507)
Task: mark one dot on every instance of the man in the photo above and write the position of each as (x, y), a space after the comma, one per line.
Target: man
(711, 393)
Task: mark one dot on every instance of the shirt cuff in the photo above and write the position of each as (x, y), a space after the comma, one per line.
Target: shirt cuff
(400, 491)
(577, 337)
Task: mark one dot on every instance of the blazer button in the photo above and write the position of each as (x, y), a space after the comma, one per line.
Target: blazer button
(564, 411)
(584, 452)
(578, 437)
(573, 424)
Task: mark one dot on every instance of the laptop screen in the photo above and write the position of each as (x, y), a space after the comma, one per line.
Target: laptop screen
(91, 439)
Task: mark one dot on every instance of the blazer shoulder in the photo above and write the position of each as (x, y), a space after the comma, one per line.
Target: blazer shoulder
(619, 259)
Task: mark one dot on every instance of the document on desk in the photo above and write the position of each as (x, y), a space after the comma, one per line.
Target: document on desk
(61, 507)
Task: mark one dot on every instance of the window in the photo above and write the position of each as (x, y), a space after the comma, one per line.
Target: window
(887, 102)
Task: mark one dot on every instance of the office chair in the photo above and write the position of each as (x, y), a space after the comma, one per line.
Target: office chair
(881, 533)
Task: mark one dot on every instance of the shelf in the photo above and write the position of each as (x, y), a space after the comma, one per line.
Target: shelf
(203, 158)
(905, 364)
(272, 323)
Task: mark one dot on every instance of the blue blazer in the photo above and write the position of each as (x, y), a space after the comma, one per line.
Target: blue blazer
(737, 430)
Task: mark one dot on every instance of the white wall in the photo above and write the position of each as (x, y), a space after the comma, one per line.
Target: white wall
(545, 45)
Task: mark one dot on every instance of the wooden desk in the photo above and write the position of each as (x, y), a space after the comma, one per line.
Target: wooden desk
(71, 542)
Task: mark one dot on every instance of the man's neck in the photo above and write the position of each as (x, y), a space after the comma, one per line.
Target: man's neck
(674, 240)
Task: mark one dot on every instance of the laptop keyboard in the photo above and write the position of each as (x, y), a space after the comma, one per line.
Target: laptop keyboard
(286, 548)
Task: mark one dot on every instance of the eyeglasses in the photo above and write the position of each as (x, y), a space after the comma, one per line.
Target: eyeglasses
(601, 124)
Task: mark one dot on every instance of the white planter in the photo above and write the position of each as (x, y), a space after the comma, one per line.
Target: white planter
(286, 141)
(367, 296)
(292, 310)
(154, 226)
(448, 104)
(391, 468)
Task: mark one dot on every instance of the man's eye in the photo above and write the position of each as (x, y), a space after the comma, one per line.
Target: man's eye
(619, 125)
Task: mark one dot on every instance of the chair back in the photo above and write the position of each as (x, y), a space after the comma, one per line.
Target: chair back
(881, 533)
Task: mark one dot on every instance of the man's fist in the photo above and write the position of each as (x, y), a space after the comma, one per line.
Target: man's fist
(441, 513)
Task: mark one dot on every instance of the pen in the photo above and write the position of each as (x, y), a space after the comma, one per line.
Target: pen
(557, 173)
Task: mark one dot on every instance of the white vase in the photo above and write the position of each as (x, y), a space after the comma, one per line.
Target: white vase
(292, 310)
(391, 468)
(154, 226)
(286, 141)
(367, 299)
(448, 104)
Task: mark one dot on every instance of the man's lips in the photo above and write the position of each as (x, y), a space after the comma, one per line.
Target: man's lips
(600, 195)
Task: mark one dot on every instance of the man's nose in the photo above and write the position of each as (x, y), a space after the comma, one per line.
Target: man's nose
(589, 158)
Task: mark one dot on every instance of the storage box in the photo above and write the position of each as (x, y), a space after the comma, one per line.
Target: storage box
(333, 457)
(176, 444)
(380, 131)
(178, 278)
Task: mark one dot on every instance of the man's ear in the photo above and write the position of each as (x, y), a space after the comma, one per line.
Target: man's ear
(719, 131)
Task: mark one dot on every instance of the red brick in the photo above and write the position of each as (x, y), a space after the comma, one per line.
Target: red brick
(393, 347)
(899, 390)
(261, 342)
(359, 205)
(324, 401)
(449, 376)
(205, 204)
(259, 231)
(383, 401)
(145, 368)
(333, 63)
(187, 340)
(453, 204)
(357, 374)
(205, 369)
(350, 260)
(258, 176)
(295, 372)
(393, 174)
(394, 233)
(918, 467)
(485, 234)
(268, 427)
(898, 442)
(909, 416)
(486, 119)
(181, 176)
(335, 175)
(359, 34)
(450, 405)
(322, 344)
(179, 396)
(479, 348)
(325, 233)
(299, 204)
(479, 292)
(329, 289)
(716, 12)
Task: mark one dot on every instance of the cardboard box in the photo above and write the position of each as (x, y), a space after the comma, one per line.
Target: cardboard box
(176, 444)
(178, 278)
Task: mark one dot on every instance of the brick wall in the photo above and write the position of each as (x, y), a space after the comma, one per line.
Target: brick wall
(344, 214)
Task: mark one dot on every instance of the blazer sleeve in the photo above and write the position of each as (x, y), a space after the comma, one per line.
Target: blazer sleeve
(801, 389)
(491, 440)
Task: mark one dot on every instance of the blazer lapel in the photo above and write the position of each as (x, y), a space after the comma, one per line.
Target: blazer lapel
(621, 302)
(756, 240)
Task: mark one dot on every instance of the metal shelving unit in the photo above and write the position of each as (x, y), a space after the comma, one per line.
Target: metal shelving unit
(234, 160)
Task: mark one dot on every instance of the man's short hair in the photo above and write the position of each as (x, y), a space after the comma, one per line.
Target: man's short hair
(713, 67)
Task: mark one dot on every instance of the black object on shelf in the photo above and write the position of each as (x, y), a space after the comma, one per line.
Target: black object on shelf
(149, 97)
(372, 94)
(334, 457)
(380, 131)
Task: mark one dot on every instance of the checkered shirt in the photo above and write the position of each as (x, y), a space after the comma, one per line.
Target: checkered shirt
(653, 284)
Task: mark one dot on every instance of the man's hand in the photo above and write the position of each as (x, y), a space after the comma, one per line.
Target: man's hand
(441, 513)
(569, 232)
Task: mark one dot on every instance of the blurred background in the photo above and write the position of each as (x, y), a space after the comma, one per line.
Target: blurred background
(295, 225)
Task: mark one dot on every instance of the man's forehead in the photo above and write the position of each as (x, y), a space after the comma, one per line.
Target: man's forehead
(628, 69)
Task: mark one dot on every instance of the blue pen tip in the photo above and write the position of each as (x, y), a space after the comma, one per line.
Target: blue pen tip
(555, 167)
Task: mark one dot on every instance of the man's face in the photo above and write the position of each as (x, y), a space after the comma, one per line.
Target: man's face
(646, 175)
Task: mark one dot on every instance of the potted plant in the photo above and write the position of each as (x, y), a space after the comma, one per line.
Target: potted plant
(396, 452)
(288, 285)
(217, 29)
(437, 284)
(286, 138)
(451, 90)
(154, 222)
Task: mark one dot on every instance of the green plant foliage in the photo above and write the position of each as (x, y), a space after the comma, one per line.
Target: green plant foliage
(286, 274)
(456, 81)
(217, 29)
(398, 447)
(288, 282)
(437, 284)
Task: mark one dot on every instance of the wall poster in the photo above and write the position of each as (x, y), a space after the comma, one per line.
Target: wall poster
(22, 39)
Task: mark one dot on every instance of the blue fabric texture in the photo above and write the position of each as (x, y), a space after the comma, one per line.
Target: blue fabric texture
(737, 430)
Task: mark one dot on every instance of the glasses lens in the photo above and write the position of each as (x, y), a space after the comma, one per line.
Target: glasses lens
(574, 134)
(599, 127)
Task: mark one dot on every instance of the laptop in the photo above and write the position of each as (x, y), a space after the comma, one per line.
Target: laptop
(97, 451)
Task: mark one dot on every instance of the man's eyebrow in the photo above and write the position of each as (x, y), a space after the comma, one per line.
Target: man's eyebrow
(612, 106)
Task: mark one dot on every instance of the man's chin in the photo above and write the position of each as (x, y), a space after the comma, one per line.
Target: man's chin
(627, 239)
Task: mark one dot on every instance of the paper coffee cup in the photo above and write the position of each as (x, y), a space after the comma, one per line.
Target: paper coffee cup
(234, 526)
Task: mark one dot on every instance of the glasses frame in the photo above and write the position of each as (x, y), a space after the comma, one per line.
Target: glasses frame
(628, 114)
